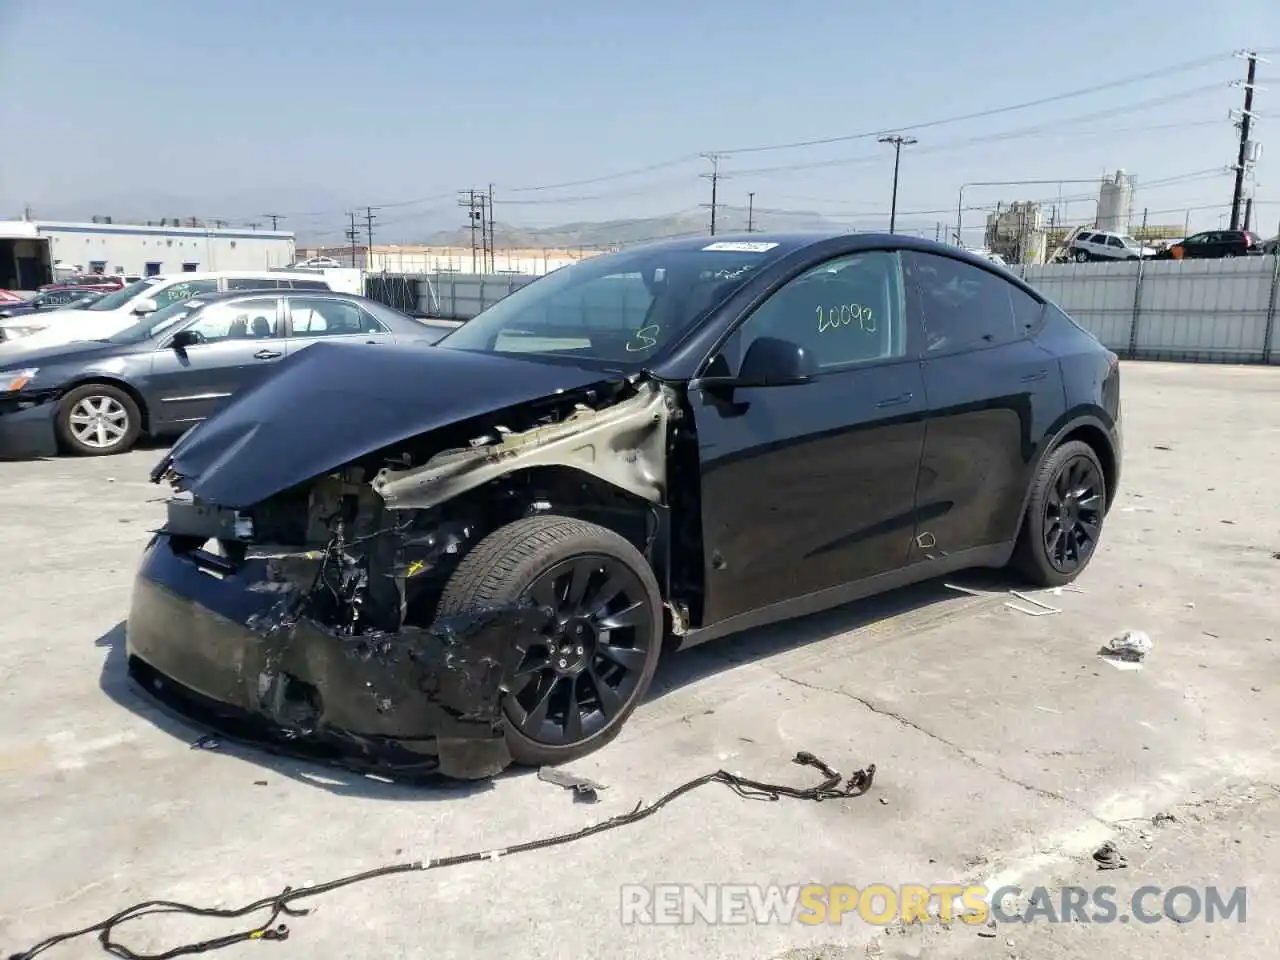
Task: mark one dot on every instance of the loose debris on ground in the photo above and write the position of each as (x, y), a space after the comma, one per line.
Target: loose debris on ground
(834, 786)
(1127, 650)
(584, 790)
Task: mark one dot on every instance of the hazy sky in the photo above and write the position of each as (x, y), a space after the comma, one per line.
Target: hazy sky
(235, 109)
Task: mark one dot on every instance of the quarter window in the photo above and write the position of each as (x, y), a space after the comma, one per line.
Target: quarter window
(845, 311)
(1026, 309)
(965, 307)
(314, 317)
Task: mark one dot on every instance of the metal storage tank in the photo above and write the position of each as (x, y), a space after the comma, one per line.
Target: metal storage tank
(1115, 203)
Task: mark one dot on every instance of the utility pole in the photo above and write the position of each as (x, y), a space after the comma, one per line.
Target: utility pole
(1243, 159)
(368, 232)
(492, 249)
(751, 220)
(715, 177)
(475, 219)
(353, 235)
(898, 142)
(275, 219)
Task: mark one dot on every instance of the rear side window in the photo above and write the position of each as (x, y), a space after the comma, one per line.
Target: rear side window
(315, 317)
(1085, 237)
(252, 283)
(964, 307)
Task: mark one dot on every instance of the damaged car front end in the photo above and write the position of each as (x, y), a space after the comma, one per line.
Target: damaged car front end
(315, 609)
(449, 558)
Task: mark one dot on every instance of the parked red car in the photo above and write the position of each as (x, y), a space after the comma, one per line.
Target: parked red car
(91, 281)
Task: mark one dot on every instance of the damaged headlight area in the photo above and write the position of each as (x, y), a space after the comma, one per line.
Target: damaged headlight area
(315, 609)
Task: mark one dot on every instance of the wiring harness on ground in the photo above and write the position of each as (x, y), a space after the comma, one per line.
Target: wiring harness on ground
(833, 787)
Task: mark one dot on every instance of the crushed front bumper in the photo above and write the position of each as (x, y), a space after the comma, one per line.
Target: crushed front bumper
(221, 637)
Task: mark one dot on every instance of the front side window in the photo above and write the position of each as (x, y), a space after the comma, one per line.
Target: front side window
(154, 324)
(1114, 242)
(237, 320)
(843, 312)
(965, 307)
(315, 317)
(182, 291)
(622, 309)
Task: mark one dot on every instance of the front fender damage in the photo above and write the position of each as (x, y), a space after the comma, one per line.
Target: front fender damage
(344, 642)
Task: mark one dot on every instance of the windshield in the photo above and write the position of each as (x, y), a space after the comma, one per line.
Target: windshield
(1130, 242)
(118, 298)
(154, 324)
(620, 308)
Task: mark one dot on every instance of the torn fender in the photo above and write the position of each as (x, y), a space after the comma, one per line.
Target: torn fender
(624, 445)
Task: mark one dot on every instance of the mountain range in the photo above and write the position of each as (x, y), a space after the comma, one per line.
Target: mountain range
(604, 233)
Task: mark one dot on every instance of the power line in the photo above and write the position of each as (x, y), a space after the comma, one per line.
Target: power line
(1037, 130)
(823, 141)
(996, 111)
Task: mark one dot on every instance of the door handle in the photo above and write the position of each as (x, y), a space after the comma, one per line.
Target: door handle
(1033, 377)
(267, 354)
(895, 401)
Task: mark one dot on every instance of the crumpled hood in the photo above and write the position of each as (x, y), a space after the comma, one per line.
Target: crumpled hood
(333, 403)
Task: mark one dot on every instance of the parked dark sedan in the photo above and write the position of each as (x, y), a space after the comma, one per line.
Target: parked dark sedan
(66, 298)
(451, 558)
(176, 366)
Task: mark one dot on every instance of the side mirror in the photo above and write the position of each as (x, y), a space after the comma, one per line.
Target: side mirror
(771, 362)
(185, 338)
(144, 306)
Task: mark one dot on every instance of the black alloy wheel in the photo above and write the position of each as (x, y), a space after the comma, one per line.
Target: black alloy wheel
(594, 655)
(1062, 526)
(1073, 514)
(590, 668)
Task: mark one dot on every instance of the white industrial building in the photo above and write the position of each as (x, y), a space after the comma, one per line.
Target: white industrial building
(34, 252)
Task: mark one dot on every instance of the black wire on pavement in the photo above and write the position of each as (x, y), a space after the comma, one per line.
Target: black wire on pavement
(833, 787)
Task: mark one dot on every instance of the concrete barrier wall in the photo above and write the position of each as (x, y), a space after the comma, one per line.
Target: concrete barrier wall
(1221, 311)
(1213, 311)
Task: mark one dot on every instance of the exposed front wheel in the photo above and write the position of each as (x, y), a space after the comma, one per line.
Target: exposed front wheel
(1063, 524)
(592, 666)
(1081, 256)
(97, 420)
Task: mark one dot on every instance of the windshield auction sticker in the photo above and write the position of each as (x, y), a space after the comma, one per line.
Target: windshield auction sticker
(740, 246)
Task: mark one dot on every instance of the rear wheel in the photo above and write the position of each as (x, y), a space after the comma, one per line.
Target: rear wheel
(97, 420)
(1064, 517)
(591, 668)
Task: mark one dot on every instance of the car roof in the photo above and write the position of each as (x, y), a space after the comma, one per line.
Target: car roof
(786, 243)
(232, 274)
(220, 295)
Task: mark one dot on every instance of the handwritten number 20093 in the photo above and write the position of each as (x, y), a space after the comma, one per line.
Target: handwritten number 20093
(847, 315)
